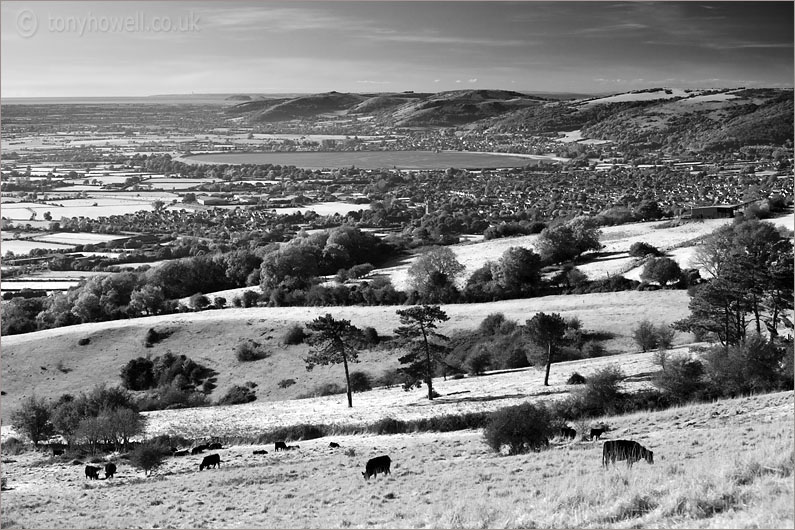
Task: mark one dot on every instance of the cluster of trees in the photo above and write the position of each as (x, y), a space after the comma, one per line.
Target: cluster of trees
(104, 417)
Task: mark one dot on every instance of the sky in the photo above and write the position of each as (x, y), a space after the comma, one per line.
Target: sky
(98, 48)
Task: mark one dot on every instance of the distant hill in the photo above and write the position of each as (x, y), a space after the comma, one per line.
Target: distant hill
(693, 120)
(239, 97)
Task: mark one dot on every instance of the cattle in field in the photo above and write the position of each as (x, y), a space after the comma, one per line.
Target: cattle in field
(214, 446)
(377, 465)
(568, 433)
(261, 452)
(596, 433)
(293, 447)
(334, 445)
(280, 446)
(625, 450)
(110, 470)
(183, 452)
(92, 472)
(210, 461)
(198, 449)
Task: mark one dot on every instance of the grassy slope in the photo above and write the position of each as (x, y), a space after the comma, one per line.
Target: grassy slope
(29, 361)
(721, 465)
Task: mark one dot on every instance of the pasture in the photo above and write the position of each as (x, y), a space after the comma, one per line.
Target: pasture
(720, 465)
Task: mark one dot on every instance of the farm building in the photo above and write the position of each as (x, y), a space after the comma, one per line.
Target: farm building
(715, 211)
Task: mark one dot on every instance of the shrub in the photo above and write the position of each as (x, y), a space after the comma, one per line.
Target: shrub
(83, 342)
(302, 431)
(248, 351)
(388, 426)
(238, 395)
(522, 428)
(219, 302)
(681, 378)
(32, 418)
(641, 249)
(661, 270)
(361, 381)
(148, 457)
(294, 335)
(153, 337)
(199, 301)
(492, 323)
(250, 298)
(284, 383)
(371, 336)
(138, 374)
(602, 392)
(576, 379)
(593, 348)
(390, 378)
(327, 389)
(665, 336)
(645, 336)
(478, 362)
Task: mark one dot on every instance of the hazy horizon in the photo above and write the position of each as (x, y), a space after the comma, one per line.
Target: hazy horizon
(144, 49)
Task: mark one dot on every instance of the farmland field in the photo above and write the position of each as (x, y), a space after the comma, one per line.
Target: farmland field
(373, 160)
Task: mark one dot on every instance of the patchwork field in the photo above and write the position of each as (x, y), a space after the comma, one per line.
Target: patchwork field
(721, 465)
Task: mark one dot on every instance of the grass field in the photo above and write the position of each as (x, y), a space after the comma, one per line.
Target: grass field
(30, 361)
(721, 465)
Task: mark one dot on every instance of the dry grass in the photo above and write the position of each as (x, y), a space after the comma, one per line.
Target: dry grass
(722, 465)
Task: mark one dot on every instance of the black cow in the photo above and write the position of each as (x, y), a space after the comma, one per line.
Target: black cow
(334, 445)
(214, 446)
(596, 433)
(92, 472)
(625, 450)
(280, 446)
(110, 470)
(261, 452)
(568, 433)
(183, 452)
(379, 464)
(198, 449)
(210, 461)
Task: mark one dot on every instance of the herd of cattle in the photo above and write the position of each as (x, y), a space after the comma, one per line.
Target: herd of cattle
(612, 450)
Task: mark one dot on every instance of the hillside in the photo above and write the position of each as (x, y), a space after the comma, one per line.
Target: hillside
(30, 362)
(703, 476)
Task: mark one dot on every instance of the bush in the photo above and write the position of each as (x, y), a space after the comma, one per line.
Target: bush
(83, 342)
(390, 378)
(138, 374)
(302, 431)
(681, 378)
(153, 337)
(593, 348)
(32, 418)
(371, 336)
(492, 323)
(199, 301)
(478, 362)
(13, 446)
(361, 381)
(388, 426)
(249, 351)
(148, 457)
(602, 392)
(576, 379)
(645, 336)
(522, 428)
(238, 395)
(641, 249)
(661, 270)
(294, 335)
(284, 383)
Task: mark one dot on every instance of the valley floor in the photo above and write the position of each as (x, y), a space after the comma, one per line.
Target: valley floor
(726, 464)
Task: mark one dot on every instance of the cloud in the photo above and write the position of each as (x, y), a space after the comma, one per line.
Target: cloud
(369, 82)
(473, 80)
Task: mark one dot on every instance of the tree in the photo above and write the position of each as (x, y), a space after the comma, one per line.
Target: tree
(645, 335)
(334, 341)
(661, 270)
(33, 419)
(434, 266)
(518, 269)
(547, 330)
(522, 428)
(569, 241)
(425, 352)
(148, 299)
(147, 457)
(138, 374)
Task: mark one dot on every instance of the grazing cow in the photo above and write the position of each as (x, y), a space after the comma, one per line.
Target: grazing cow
(334, 445)
(198, 449)
(110, 470)
(183, 452)
(261, 452)
(210, 461)
(280, 446)
(568, 433)
(92, 472)
(625, 450)
(214, 446)
(596, 433)
(379, 464)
